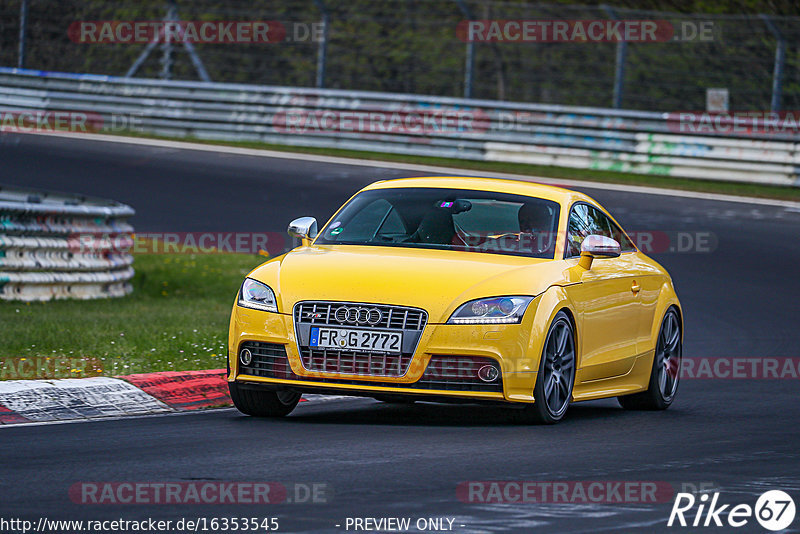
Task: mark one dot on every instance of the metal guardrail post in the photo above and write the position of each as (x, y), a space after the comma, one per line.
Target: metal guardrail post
(619, 64)
(469, 61)
(780, 61)
(166, 60)
(23, 24)
(322, 50)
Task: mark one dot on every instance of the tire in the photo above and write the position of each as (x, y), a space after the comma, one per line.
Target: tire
(665, 373)
(556, 377)
(263, 403)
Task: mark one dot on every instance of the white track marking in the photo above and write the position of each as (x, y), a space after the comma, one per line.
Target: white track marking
(86, 398)
(39, 401)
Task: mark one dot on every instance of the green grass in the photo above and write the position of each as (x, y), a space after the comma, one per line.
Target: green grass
(589, 175)
(175, 319)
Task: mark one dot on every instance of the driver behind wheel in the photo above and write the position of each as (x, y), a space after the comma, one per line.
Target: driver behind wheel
(535, 228)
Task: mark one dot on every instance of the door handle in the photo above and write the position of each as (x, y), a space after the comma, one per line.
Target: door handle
(635, 287)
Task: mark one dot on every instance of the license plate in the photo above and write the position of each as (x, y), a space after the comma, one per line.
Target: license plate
(357, 340)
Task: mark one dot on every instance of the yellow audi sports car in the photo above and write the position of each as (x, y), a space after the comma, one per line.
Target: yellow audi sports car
(458, 290)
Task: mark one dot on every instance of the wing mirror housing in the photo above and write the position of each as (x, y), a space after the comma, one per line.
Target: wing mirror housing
(304, 228)
(597, 246)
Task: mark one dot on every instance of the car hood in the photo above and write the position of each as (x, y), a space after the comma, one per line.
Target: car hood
(437, 281)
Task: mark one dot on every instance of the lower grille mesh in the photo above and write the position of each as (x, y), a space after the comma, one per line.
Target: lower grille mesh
(448, 373)
(269, 360)
(458, 373)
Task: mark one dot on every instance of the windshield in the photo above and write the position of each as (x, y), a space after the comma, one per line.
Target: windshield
(450, 219)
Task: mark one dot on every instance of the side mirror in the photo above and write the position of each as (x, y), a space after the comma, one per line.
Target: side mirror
(304, 228)
(597, 246)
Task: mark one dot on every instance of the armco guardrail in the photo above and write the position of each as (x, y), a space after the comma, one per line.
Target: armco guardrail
(587, 138)
(55, 246)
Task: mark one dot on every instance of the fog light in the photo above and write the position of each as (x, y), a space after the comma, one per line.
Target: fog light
(488, 373)
(246, 357)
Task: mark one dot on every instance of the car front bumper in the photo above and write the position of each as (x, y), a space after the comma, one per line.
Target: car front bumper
(514, 349)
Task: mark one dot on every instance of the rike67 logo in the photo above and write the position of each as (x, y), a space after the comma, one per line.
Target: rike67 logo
(774, 510)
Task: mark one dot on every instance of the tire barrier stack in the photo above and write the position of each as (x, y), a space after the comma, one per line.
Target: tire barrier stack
(57, 246)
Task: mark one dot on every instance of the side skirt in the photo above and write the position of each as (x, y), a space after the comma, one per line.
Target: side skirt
(633, 381)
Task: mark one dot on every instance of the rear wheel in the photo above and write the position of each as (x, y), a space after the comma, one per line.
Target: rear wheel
(556, 377)
(665, 374)
(263, 403)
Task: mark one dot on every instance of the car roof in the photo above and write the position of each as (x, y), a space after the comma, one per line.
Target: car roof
(497, 185)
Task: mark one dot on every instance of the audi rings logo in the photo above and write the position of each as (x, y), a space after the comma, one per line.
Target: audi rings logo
(370, 316)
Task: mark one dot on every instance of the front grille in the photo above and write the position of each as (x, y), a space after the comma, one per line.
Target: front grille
(392, 317)
(411, 321)
(449, 373)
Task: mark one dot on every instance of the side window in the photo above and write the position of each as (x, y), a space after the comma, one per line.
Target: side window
(576, 230)
(585, 220)
(625, 244)
(600, 223)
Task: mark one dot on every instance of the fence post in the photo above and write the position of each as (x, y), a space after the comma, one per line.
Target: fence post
(166, 59)
(23, 23)
(469, 62)
(780, 60)
(619, 68)
(322, 50)
(166, 46)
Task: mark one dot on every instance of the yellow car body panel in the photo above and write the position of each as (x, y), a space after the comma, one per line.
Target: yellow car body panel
(615, 327)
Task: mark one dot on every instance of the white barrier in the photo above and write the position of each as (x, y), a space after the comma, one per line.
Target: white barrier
(55, 246)
(578, 137)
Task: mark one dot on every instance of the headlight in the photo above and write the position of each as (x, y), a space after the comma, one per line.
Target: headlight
(498, 310)
(257, 296)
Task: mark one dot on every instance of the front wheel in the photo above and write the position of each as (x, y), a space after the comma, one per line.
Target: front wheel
(556, 377)
(263, 403)
(665, 374)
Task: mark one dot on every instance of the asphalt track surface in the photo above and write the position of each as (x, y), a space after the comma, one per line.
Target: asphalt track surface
(741, 436)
